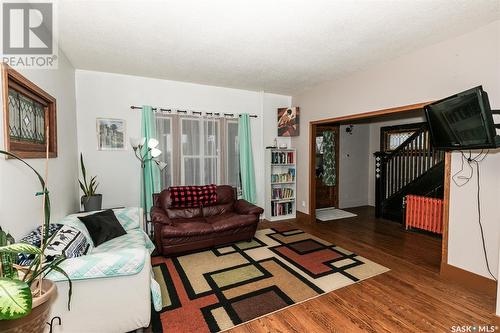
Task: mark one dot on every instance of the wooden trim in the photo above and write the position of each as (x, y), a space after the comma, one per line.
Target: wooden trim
(469, 279)
(404, 128)
(13, 79)
(337, 165)
(53, 129)
(372, 114)
(26, 146)
(365, 115)
(446, 207)
(312, 143)
(312, 171)
(24, 91)
(23, 81)
(303, 216)
(336, 129)
(5, 106)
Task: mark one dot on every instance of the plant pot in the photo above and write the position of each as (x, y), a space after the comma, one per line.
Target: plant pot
(92, 203)
(38, 317)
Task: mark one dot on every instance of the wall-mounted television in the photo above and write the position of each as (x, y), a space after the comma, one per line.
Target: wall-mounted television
(462, 121)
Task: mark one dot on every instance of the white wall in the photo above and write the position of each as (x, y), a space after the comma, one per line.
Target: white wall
(271, 103)
(498, 288)
(20, 211)
(431, 73)
(357, 162)
(107, 95)
(353, 166)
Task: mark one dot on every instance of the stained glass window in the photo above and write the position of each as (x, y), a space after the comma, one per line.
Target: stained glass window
(30, 114)
(26, 118)
(396, 138)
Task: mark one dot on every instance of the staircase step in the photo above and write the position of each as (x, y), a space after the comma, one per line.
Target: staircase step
(427, 183)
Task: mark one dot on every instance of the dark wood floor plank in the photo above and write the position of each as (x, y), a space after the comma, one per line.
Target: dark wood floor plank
(411, 297)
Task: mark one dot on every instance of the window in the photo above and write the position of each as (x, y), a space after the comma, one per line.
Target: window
(391, 137)
(28, 112)
(233, 158)
(199, 150)
(396, 138)
(164, 130)
(211, 152)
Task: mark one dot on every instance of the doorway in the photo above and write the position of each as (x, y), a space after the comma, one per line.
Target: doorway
(407, 110)
(326, 166)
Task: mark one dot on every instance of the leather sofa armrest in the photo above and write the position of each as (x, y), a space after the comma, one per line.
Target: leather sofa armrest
(243, 207)
(158, 215)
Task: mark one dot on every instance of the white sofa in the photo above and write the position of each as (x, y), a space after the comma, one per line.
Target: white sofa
(100, 304)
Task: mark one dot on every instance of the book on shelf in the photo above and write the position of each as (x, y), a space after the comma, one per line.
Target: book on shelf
(284, 177)
(282, 157)
(282, 193)
(281, 208)
(281, 188)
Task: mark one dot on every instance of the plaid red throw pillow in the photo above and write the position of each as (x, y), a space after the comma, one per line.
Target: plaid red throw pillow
(193, 196)
(207, 194)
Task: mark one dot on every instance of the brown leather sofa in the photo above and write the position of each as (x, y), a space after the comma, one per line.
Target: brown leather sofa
(179, 230)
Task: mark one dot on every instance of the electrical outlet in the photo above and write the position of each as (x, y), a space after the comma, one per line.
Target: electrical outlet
(303, 203)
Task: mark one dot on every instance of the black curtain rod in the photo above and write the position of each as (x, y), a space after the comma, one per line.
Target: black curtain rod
(193, 112)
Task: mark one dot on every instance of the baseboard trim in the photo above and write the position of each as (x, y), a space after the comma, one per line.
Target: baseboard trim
(303, 217)
(451, 273)
(469, 279)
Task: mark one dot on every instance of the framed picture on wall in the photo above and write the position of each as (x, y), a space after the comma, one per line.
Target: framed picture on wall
(288, 121)
(111, 134)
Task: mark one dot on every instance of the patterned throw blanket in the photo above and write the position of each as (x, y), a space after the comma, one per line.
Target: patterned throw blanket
(193, 196)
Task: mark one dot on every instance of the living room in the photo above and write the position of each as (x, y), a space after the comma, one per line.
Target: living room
(230, 94)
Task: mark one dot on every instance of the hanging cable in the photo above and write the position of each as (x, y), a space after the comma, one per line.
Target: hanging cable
(461, 180)
(458, 178)
(479, 220)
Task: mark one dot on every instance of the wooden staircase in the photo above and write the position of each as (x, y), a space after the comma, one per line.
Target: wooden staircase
(412, 168)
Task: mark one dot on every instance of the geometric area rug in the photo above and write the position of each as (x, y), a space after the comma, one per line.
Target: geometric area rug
(217, 289)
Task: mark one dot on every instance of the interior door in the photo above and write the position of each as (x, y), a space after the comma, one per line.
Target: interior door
(327, 158)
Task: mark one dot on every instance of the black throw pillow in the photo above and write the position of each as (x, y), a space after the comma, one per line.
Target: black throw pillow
(103, 226)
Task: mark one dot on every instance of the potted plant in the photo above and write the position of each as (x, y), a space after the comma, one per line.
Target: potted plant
(24, 293)
(90, 200)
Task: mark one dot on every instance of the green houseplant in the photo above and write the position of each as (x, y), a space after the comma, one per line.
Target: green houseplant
(90, 200)
(23, 289)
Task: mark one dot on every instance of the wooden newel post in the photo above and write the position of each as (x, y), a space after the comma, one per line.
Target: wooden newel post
(380, 181)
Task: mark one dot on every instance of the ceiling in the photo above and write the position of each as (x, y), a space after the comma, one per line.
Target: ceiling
(280, 46)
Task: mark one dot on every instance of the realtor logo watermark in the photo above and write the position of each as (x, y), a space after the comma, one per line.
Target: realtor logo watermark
(474, 329)
(28, 35)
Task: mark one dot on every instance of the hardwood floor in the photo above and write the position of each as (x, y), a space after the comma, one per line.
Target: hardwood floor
(411, 297)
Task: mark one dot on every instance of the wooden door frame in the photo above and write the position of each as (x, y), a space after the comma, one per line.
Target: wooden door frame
(337, 164)
(366, 115)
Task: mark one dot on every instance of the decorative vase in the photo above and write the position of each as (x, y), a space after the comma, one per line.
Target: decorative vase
(92, 203)
(36, 321)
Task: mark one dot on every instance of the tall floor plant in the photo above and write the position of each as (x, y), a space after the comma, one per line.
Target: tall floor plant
(19, 285)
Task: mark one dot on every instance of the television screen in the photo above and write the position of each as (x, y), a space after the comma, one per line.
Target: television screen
(462, 121)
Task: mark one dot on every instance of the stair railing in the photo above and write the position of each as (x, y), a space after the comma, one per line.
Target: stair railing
(396, 169)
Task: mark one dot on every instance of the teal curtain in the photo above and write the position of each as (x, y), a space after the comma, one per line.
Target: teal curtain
(151, 177)
(247, 171)
(329, 174)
